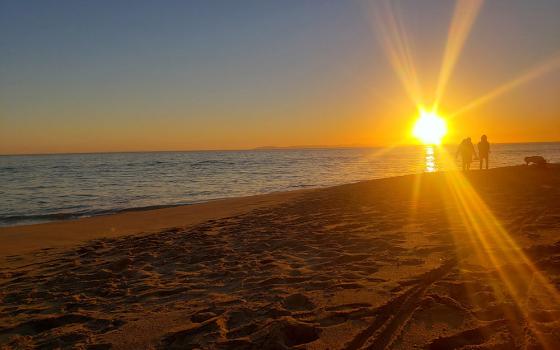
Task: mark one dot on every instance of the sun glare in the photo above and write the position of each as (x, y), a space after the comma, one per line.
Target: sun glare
(429, 128)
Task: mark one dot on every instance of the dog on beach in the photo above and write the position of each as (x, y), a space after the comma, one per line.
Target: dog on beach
(537, 160)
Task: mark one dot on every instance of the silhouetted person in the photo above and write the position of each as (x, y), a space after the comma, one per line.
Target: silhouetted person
(483, 150)
(466, 150)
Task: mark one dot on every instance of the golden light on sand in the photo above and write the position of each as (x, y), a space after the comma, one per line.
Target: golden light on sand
(430, 128)
(492, 245)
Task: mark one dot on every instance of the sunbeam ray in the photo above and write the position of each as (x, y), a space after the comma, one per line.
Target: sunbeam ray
(491, 245)
(464, 16)
(394, 40)
(536, 71)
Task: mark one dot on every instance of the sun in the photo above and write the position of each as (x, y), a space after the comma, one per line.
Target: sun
(430, 128)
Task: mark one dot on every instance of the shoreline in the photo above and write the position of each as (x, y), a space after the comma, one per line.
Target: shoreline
(109, 212)
(25, 238)
(29, 220)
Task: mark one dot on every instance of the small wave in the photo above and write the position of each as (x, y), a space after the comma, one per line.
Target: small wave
(211, 162)
(141, 164)
(14, 220)
(303, 186)
(61, 166)
(9, 169)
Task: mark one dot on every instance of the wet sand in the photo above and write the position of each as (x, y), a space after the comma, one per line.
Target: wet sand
(439, 261)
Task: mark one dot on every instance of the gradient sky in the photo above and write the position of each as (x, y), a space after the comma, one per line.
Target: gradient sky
(87, 76)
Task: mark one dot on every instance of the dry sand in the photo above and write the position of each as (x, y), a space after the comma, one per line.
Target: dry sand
(436, 261)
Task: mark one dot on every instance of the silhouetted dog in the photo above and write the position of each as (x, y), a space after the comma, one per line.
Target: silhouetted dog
(537, 160)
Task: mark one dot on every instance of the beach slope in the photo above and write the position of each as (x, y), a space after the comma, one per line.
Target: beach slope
(437, 260)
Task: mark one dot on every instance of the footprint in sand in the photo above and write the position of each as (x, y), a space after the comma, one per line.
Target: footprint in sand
(298, 301)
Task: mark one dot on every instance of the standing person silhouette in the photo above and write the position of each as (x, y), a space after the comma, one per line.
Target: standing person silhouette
(483, 150)
(466, 150)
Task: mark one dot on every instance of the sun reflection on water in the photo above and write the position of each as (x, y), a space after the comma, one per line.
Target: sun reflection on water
(430, 159)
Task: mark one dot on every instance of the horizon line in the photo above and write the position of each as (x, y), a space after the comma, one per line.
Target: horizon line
(258, 148)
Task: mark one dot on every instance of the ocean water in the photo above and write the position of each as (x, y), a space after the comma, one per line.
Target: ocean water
(41, 188)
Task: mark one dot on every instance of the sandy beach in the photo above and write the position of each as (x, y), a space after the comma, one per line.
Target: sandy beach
(437, 260)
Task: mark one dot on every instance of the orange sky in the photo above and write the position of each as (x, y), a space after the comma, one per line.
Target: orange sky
(204, 77)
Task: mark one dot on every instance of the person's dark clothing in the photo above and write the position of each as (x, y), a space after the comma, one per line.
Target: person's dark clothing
(483, 151)
(467, 151)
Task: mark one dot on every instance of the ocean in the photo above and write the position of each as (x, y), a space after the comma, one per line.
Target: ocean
(42, 188)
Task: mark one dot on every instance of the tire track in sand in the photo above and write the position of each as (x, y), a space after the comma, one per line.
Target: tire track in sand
(395, 313)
